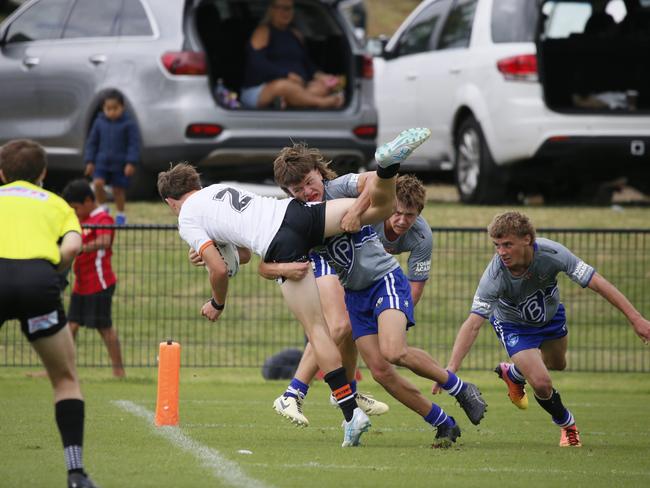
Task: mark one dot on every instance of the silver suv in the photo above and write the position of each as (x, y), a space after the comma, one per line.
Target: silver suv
(58, 58)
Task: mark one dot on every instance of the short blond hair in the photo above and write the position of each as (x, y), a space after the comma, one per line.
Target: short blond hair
(178, 180)
(511, 223)
(410, 192)
(294, 162)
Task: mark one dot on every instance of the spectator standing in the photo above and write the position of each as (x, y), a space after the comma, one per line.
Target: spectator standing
(112, 152)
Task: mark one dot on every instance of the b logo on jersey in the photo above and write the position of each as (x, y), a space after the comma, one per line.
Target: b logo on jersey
(237, 202)
(533, 308)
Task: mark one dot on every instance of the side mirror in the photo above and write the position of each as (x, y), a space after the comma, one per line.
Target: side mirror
(376, 46)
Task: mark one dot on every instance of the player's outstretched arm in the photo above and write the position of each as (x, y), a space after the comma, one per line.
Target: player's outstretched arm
(465, 338)
(610, 293)
(218, 274)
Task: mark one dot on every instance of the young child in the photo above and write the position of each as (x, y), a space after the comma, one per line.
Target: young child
(112, 151)
(94, 282)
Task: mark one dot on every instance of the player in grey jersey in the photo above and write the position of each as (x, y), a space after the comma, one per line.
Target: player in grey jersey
(518, 293)
(377, 297)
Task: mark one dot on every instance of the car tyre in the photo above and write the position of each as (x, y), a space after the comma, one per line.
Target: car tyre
(478, 179)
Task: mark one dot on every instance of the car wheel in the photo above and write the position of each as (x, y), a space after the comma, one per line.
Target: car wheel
(477, 178)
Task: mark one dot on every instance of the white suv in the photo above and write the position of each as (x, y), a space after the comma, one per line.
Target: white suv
(522, 95)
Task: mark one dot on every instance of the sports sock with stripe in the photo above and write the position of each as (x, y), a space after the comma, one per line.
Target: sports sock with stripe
(553, 405)
(297, 389)
(515, 375)
(454, 384)
(342, 392)
(69, 415)
(437, 416)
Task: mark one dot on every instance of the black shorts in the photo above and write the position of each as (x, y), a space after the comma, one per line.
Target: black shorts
(30, 291)
(303, 227)
(93, 310)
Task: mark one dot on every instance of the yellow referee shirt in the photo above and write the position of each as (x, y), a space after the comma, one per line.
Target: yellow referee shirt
(32, 220)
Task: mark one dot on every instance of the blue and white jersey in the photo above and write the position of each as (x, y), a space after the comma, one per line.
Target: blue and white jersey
(359, 259)
(533, 298)
(418, 240)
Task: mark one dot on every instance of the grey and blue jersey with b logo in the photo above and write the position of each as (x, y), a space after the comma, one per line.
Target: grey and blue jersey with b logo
(533, 298)
(359, 259)
(418, 241)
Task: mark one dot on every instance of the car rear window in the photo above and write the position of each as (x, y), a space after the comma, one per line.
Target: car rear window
(514, 20)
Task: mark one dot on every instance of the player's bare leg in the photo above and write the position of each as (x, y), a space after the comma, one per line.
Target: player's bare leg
(531, 364)
(303, 300)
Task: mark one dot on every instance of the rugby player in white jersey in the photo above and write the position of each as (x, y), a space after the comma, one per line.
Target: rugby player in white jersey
(282, 231)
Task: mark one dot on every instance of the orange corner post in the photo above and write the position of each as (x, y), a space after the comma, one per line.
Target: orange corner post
(169, 367)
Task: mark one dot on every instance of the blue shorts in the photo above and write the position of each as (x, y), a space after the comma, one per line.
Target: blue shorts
(515, 337)
(393, 291)
(250, 95)
(113, 178)
(320, 265)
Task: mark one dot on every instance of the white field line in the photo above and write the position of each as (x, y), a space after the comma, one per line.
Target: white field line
(445, 469)
(225, 470)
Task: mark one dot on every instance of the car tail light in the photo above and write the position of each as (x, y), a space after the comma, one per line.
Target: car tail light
(185, 62)
(203, 131)
(365, 131)
(519, 68)
(365, 66)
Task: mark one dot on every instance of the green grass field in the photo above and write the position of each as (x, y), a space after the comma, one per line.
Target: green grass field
(223, 411)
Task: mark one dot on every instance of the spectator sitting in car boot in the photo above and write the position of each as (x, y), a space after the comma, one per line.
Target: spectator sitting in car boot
(279, 72)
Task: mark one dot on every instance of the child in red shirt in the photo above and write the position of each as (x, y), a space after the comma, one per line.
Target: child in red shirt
(94, 284)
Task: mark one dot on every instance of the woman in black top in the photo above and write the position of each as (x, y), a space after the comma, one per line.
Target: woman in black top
(278, 66)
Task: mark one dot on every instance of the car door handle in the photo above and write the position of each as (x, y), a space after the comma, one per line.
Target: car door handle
(30, 61)
(411, 76)
(97, 59)
(454, 71)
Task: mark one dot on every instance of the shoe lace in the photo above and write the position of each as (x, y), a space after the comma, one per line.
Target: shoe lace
(572, 436)
(365, 398)
(299, 402)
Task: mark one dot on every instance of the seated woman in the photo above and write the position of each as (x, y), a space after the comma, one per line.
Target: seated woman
(278, 66)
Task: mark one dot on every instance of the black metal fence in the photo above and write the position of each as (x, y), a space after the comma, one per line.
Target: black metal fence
(159, 295)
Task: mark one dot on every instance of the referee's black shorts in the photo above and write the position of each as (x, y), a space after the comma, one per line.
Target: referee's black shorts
(302, 228)
(30, 291)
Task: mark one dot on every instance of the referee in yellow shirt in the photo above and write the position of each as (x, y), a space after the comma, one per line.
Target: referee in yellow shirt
(41, 238)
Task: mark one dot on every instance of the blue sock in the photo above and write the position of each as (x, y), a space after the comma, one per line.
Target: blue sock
(454, 384)
(437, 417)
(296, 389)
(515, 375)
(353, 386)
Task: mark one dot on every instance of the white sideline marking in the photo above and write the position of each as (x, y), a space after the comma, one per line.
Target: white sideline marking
(227, 471)
(445, 469)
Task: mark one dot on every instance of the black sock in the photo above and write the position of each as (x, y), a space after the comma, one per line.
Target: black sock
(70, 420)
(342, 391)
(561, 416)
(389, 172)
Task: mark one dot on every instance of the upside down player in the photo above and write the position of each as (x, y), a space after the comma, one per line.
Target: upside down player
(281, 231)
